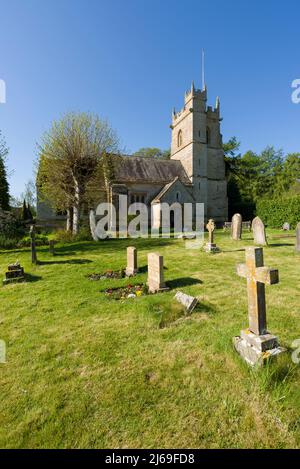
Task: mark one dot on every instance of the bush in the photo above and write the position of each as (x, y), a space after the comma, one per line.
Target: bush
(8, 243)
(40, 240)
(275, 212)
(63, 236)
(10, 226)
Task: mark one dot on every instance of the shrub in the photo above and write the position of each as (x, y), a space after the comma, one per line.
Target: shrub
(8, 243)
(40, 240)
(63, 236)
(10, 226)
(275, 212)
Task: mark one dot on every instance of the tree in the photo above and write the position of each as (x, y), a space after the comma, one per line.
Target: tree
(29, 194)
(152, 152)
(291, 173)
(73, 162)
(4, 185)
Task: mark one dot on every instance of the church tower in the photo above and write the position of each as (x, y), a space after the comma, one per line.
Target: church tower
(197, 143)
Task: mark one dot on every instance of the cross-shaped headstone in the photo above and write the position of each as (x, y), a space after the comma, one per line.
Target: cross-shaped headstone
(257, 276)
(211, 228)
(33, 245)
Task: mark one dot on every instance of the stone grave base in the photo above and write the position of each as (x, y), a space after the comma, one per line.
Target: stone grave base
(14, 274)
(257, 349)
(211, 247)
(159, 289)
(130, 272)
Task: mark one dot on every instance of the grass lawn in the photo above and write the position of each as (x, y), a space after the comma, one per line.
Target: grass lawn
(86, 371)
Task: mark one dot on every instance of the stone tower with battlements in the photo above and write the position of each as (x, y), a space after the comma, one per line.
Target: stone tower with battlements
(197, 143)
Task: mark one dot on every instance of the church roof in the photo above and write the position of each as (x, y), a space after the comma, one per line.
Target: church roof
(165, 189)
(137, 169)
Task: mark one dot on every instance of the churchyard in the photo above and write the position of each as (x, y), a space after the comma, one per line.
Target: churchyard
(85, 370)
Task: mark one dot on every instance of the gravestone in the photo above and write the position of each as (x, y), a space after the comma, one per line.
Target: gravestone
(131, 268)
(298, 238)
(236, 227)
(286, 226)
(14, 274)
(33, 245)
(189, 302)
(259, 232)
(211, 246)
(156, 273)
(51, 247)
(256, 344)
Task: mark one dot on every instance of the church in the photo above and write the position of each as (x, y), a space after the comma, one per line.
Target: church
(195, 172)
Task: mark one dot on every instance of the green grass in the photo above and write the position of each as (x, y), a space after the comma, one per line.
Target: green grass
(85, 371)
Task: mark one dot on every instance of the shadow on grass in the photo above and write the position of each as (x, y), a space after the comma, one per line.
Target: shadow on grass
(207, 308)
(278, 245)
(70, 261)
(32, 278)
(233, 250)
(113, 244)
(183, 282)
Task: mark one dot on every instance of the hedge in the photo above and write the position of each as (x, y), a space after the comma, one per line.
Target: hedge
(275, 212)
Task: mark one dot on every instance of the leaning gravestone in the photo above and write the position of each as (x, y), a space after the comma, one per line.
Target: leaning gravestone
(236, 227)
(256, 344)
(259, 232)
(131, 268)
(189, 302)
(14, 274)
(298, 238)
(156, 273)
(33, 245)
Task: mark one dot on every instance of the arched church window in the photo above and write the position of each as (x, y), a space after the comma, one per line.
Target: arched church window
(179, 138)
(208, 135)
(178, 196)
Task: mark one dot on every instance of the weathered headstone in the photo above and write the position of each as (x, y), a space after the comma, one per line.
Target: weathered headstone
(259, 232)
(286, 226)
(131, 268)
(255, 344)
(211, 246)
(298, 238)
(51, 246)
(14, 274)
(189, 302)
(156, 273)
(33, 245)
(236, 227)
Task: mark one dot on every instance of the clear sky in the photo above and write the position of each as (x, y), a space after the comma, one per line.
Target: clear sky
(130, 61)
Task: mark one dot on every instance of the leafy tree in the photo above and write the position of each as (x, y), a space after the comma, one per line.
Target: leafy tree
(74, 157)
(4, 185)
(152, 152)
(291, 173)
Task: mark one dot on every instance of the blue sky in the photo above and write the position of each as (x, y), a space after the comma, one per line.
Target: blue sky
(130, 61)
